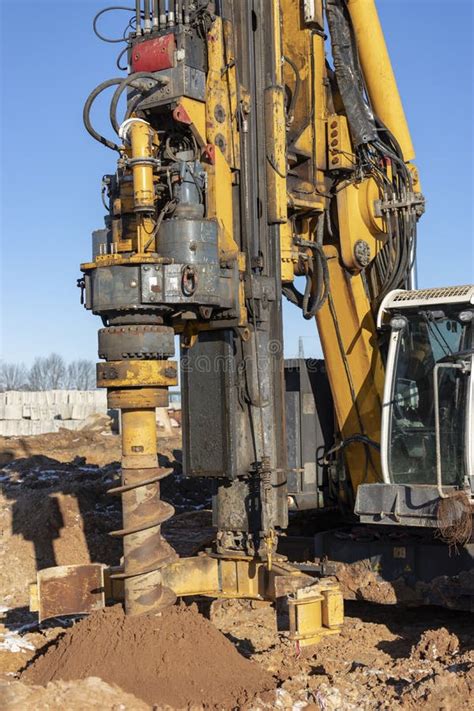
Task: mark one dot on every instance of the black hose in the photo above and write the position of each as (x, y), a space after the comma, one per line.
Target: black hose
(156, 14)
(87, 109)
(293, 295)
(138, 17)
(124, 83)
(320, 299)
(296, 90)
(355, 438)
(117, 61)
(349, 81)
(307, 291)
(303, 301)
(99, 14)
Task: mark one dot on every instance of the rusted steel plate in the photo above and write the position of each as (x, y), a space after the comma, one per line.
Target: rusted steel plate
(70, 590)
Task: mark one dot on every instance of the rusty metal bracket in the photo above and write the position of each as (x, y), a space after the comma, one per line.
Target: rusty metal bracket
(68, 590)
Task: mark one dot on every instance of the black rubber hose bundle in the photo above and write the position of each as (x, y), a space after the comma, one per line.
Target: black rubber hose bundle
(124, 83)
(87, 110)
(349, 80)
(110, 40)
(121, 84)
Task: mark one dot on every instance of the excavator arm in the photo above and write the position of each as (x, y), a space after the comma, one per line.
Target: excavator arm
(354, 200)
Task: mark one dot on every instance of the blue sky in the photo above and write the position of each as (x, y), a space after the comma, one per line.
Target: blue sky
(51, 168)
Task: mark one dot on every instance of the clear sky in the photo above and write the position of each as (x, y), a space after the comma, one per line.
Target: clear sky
(51, 168)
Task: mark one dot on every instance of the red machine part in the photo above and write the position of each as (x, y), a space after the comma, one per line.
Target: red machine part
(209, 153)
(154, 55)
(181, 115)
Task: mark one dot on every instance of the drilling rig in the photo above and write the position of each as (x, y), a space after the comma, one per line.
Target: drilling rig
(264, 153)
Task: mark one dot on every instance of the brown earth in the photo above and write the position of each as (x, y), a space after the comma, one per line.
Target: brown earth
(178, 659)
(64, 446)
(54, 510)
(91, 694)
(385, 658)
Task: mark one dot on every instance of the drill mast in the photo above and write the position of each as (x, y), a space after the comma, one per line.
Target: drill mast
(245, 161)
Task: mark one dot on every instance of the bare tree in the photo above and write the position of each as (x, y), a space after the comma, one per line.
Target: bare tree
(13, 376)
(47, 373)
(81, 375)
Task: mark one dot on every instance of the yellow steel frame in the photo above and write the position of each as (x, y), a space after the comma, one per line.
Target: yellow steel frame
(315, 608)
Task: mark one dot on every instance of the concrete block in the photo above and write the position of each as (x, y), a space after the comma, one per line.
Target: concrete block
(63, 411)
(59, 397)
(14, 398)
(79, 412)
(42, 412)
(13, 412)
(15, 428)
(28, 413)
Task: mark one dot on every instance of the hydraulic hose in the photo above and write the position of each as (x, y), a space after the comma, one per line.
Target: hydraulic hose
(138, 17)
(124, 83)
(102, 12)
(87, 109)
(296, 90)
(349, 80)
(156, 16)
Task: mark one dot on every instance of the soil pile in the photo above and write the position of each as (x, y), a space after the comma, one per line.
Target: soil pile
(91, 694)
(178, 658)
(435, 644)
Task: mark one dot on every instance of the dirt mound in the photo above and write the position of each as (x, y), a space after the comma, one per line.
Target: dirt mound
(178, 658)
(91, 693)
(435, 644)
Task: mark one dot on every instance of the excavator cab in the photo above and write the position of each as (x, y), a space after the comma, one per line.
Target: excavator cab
(428, 405)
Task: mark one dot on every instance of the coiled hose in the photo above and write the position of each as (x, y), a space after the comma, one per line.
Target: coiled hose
(124, 83)
(121, 84)
(87, 110)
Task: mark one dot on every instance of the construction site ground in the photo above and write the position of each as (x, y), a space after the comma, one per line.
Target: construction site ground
(54, 510)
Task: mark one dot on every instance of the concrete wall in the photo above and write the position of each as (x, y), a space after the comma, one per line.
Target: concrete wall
(29, 413)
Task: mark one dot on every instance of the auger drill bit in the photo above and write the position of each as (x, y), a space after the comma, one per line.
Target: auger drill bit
(137, 386)
(145, 550)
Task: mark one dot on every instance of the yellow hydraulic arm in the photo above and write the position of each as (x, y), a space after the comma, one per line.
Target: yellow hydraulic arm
(353, 202)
